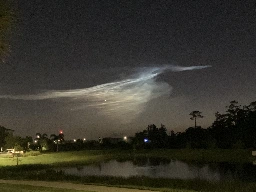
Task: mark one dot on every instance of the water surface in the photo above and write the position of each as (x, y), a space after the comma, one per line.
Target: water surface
(161, 168)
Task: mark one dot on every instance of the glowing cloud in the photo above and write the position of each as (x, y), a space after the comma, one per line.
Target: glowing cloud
(123, 99)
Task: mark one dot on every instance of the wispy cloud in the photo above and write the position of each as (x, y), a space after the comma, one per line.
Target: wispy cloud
(123, 99)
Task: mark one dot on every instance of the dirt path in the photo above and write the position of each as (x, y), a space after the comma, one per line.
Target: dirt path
(73, 186)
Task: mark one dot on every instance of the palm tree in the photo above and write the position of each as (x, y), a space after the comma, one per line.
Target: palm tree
(44, 136)
(41, 140)
(195, 115)
(57, 139)
(61, 136)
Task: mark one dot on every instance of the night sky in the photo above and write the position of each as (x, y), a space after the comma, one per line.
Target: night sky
(98, 68)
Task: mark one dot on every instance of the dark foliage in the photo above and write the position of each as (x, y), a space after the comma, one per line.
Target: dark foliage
(234, 129)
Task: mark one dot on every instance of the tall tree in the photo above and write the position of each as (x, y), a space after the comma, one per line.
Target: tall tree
(42, 141)
(57, 139)
(195, 115)
(14, 142)
(236, 127)
(3, 135)
(152, 137)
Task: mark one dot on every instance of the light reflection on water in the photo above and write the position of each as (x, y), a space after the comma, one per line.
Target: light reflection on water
(160, 168)
(174, 169)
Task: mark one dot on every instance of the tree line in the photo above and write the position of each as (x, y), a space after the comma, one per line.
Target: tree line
(236, 128)
(41, 142)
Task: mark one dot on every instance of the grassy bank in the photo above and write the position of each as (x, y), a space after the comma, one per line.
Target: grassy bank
(94, 156)
(44, 173)
(58, 159)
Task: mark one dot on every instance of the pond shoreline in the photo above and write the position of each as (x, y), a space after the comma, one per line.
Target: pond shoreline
(41, 167)
(168, 169)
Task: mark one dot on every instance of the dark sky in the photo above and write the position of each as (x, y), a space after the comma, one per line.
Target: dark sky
(109, 68)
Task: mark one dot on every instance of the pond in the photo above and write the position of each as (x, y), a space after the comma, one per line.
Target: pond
(162, 168)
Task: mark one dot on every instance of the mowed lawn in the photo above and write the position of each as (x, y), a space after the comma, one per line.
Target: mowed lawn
(78, 157)
(94, 156)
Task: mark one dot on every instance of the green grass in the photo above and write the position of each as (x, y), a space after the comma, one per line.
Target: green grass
(60, 158)
(43, 173)
(94, 156)
(28, 188)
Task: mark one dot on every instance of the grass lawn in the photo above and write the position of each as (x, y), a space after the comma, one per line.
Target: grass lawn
(94, 156)
(60, 158)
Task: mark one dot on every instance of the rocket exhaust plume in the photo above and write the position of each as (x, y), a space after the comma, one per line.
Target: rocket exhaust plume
(126, 97)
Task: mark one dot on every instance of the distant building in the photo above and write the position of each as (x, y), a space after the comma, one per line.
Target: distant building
(4, 132)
